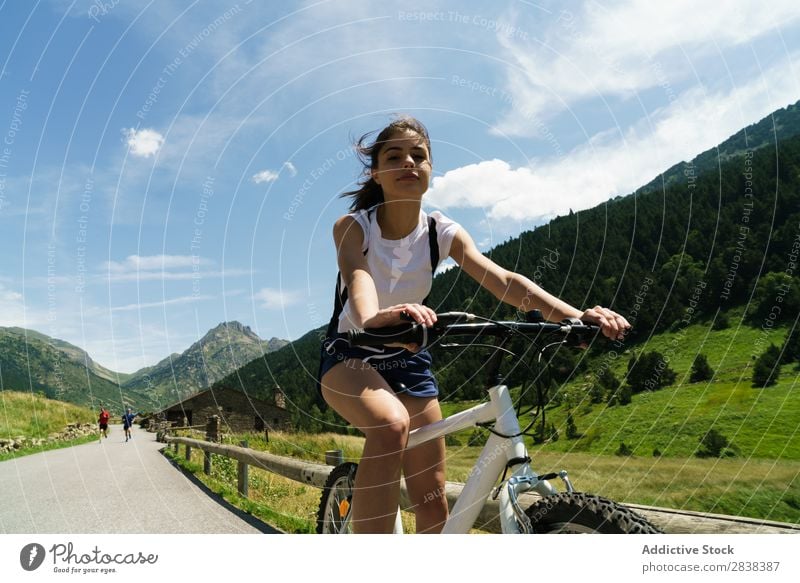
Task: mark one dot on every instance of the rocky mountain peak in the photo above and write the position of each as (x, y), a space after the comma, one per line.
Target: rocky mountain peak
(232, 327)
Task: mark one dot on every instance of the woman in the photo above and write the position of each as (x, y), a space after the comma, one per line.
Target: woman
(387, 251)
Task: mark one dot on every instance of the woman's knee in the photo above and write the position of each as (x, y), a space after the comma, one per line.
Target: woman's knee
(390, 434)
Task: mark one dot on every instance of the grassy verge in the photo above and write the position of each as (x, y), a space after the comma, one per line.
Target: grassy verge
(282, 503)
(35, 416)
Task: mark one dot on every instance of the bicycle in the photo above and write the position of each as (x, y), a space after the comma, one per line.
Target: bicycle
(555, 512)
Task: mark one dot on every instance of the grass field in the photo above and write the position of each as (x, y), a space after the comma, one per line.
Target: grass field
(34, 416)
(31, 415)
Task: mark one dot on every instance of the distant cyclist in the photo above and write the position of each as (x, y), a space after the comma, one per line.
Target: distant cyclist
(102, 420)
(127, 423)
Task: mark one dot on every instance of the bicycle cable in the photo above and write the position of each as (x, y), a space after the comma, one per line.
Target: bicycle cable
(540, 398)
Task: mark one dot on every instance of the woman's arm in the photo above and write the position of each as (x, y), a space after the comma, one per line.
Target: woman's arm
(361, 292)
(520, 292)
(349, 237)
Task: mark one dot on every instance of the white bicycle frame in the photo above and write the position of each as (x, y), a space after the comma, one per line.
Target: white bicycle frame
(491, 463)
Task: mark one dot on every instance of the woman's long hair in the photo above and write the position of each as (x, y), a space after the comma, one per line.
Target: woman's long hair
(370, 192)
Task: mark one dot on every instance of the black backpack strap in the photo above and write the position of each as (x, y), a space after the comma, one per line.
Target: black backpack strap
(433, 243)
(339, 299)
(340, 294)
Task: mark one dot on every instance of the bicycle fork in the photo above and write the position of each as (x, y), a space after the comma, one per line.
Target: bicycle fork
(498, 455)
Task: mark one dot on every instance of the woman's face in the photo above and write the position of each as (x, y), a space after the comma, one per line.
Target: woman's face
(404, 167)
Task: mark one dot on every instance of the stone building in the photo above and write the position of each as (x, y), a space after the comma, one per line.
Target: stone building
(238, 412)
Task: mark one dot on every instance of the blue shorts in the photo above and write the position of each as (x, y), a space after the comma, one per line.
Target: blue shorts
(397, 366)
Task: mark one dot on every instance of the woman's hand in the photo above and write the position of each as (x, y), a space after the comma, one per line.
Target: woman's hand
(612, 325)
(400, 314)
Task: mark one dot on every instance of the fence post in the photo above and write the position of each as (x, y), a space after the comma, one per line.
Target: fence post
(212, 428)
(188, 452)
(334, 457)
(243, 474)
(207, 462)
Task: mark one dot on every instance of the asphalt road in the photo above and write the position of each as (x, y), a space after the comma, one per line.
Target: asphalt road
(111, 487)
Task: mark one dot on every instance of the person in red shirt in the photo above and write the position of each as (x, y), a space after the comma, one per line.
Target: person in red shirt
(103, 421)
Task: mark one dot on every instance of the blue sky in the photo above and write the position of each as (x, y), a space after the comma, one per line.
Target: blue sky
(165, 166)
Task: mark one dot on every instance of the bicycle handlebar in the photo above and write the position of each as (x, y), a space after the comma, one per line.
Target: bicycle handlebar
(574, 331)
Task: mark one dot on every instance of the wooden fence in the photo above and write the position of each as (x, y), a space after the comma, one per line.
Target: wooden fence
(669, 520)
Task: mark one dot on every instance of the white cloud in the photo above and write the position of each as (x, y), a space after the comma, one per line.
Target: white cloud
(12, 309)
(291, 168)
(143, 143)
(272, 176)
(153, 262)
(265, 176)
(6, 295)
(273, 299)
(164, 268)
(611, 164)
(161, 304)
(623, 49)
(175, 276)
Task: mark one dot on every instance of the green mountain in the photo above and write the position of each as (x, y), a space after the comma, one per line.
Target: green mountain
(707, 236)
(30, 360)
(33, 362)
(777, 126)
(221, 351)
(75, 354)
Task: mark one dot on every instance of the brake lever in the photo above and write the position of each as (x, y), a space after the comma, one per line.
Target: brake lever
(582, 343)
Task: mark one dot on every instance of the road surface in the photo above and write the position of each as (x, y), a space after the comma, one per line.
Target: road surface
(111, 486)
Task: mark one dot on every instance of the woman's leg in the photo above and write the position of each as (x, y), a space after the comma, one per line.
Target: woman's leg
(424, 467)
(362, 397)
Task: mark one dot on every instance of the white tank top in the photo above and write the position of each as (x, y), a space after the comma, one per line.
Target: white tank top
(401, 268)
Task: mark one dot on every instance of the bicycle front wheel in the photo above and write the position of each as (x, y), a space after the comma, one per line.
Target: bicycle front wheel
(579, 513)
(333, 515)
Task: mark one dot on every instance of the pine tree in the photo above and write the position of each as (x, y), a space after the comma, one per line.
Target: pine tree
(572, 430)
(713, 444)
(622, 396)
(767, 367)
(701, 371)
(623, 449)
(649, 371)
(791, 347)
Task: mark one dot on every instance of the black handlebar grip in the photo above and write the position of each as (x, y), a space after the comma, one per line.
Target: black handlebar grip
(581, 333)
(403, 334)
